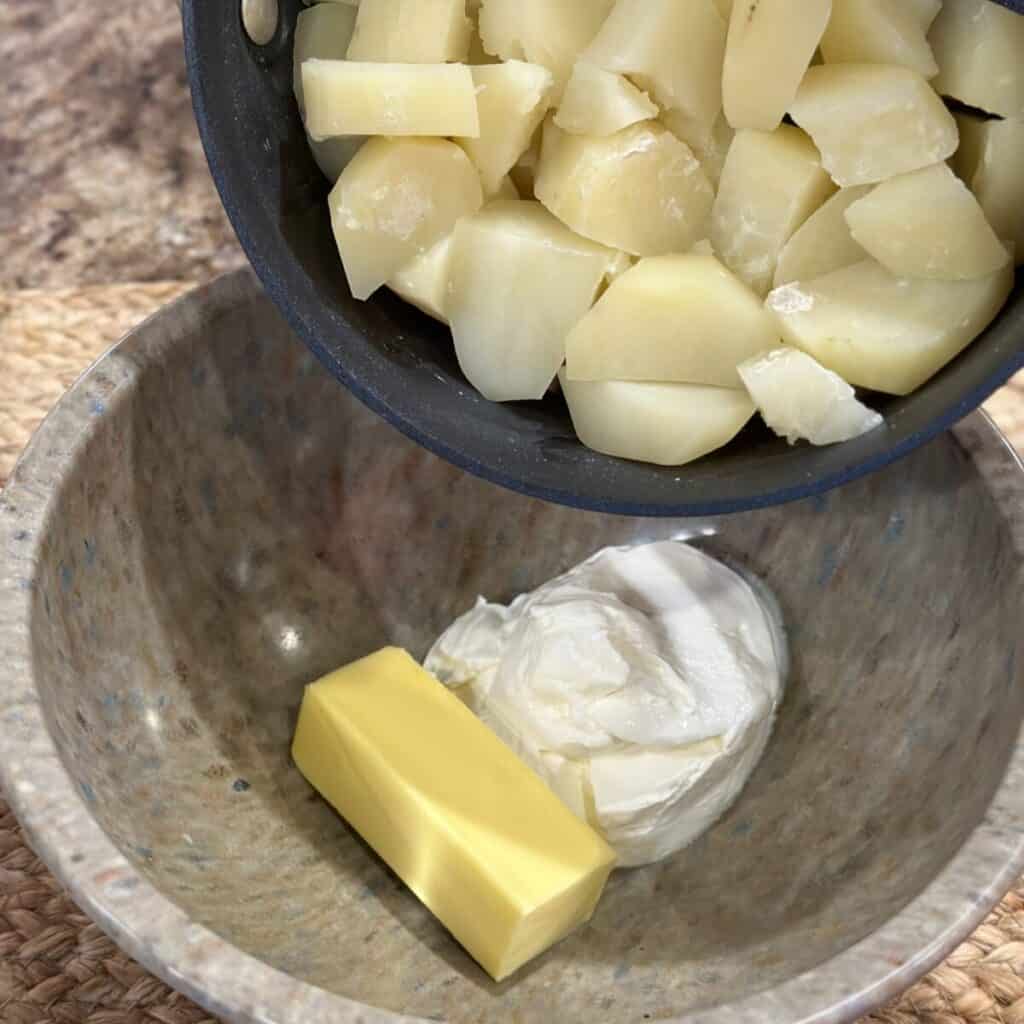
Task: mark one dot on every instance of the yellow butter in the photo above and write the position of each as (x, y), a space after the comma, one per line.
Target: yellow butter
(473, 831)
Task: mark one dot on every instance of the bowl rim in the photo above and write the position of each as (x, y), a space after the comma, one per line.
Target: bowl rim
(240, 988)
(292, 294)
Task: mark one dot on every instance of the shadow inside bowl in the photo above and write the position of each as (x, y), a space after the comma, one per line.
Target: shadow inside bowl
(236, 525)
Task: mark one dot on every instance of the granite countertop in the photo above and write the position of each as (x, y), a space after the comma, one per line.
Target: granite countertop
(102, 177)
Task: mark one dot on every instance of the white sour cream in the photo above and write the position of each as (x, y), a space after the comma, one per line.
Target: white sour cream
(641, 685)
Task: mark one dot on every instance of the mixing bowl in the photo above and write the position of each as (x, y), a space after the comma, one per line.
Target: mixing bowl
(206, 522)
(402, 364)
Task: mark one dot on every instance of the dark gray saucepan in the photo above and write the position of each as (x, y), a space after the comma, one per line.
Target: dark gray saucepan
(402, 364)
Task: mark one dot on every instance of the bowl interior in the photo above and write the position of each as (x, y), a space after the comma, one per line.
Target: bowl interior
(402, 363)
(234, 525)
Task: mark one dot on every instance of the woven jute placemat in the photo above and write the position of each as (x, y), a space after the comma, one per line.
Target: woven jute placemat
(57, 966)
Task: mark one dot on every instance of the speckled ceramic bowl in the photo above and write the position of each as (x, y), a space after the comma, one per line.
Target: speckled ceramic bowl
(207, 521)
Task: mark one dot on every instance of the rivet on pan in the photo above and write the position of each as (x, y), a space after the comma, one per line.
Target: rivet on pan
(259, 19)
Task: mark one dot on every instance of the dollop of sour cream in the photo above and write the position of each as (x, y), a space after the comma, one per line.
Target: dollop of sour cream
(641, 685)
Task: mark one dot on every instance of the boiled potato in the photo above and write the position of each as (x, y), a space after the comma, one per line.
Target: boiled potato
(927, 224)
(664, 195)
(519, 281)
(802, 401)
(926, 11)
(549, 32)
(871, 122)
(823, 243)
(769, 49)
(506, 28)
(598, 102)
(665, 424)
(710, 147)
(771, 183)
(878, 32)
(424, 282)
(322, 32)
(990, 161)
(980, 49)
(346, 97)
(884, 332)
(512, 99)
(411, 31)
(640, 190)
(396, 199)
(672, 50)
(684, 319)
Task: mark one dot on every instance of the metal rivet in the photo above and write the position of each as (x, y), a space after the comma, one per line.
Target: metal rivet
(259, 19)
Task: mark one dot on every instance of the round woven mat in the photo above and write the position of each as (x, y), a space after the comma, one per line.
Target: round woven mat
(57, 966)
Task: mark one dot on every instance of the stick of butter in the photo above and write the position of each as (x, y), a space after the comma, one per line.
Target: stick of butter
(474, 832)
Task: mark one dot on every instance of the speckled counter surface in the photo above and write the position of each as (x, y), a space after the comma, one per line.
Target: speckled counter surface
(102, 177)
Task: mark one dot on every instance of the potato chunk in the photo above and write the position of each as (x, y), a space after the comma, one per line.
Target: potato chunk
(673, 50)
(927, 224)
(664, 424)
(411, 31)
(512, 99)
(709, 147)
(990, 160)
(344, 97)
(640, 190)
(980, 49)
(802, 401)
(684, 319)
(424, 282)
(598, 102)
(925, 11)
(770, 46)
(396, 199)
(878, 32)
(519, 281)
(323, 32)
(771, 183)
(549, 32)
(823, 243)
(884, 332)
(872, 122)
